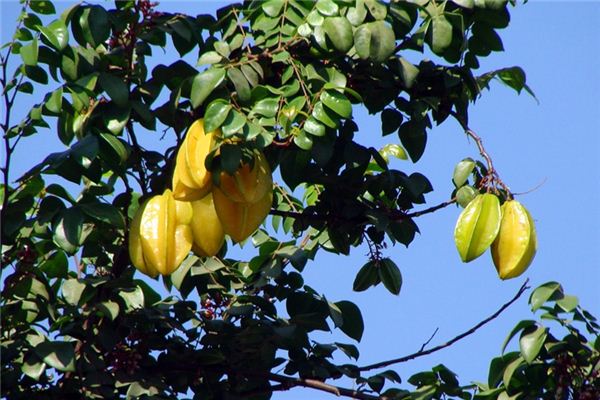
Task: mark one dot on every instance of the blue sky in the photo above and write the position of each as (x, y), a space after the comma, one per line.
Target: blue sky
(555, 143)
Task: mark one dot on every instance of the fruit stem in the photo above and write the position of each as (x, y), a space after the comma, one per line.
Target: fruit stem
(492, 176)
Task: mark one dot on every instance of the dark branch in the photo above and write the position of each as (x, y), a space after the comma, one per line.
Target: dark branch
(287, 383)
(449, 343)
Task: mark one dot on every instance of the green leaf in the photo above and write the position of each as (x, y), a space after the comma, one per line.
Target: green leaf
(303, 141)
(515, 78)
(109, 309)
(413, 136)
(115, 119)
(33, 367)
(113, 149)
(313, 127)
(510, 369)
(519, 327)
(266, 107)
(462, 170)
(72, 289)
(204, 83)
(216, 114)
(374, 41)
(53, 101)
(366, 277)
(29, 53)
(180, 273)
(115, 88)
(390, 276)
(390, 121)
(42, 7)
(465, 3)
(324, 116)
(242, 87)
(104, 212)
(543, 293)
(56, 266)
(408, 72)
(531, 342)
(272, 7)
(231, 155)
(68, 229)
(339, 32)
(353, 324)
(465, 195)
(233, 124)
(36, 73)
(133, 298)
(337, 102)
(568, 303)
(394, 150)
(327, 7)
(56, 33)
(59, 355)
(210, 57)
(95, 25)
(440, 34)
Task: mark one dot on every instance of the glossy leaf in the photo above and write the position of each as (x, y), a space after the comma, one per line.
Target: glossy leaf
(68, 229)
(353, 324)
(366, 277)
(531, 342)
(59, 355)
(390, 276)
(204, 83)
(115, 88)
(339, 32)
(337, 102)
(56, 33)
(216, 114)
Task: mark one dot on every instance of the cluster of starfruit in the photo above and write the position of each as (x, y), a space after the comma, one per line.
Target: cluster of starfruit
(201, 209)
(507, 229)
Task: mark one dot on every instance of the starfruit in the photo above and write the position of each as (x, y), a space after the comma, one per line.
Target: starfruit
(160, 236)
(191, 179)
(477, 226)
(516, 243)
(240, 219)
(206, 227)
(248, 184)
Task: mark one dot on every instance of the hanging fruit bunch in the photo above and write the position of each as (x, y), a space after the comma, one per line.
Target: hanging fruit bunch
(506, 229)
(201, 209)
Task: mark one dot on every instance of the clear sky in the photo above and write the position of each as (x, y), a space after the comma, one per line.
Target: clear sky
(554, 143)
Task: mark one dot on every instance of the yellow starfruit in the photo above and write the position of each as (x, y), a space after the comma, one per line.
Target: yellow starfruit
(477, 226)
(191, 179)
(248, 184)
(240, 220)
(516, 243)
(206, 227)
(160, 236)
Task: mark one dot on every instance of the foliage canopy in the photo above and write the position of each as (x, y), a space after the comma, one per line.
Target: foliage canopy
(283, 77)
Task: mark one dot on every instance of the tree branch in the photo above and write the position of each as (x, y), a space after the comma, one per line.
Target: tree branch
(449, 343)
(287, 383)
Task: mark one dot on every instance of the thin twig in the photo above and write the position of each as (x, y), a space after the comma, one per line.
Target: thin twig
(429, 340)
(449, 343)
(429, 210)
(288, 383)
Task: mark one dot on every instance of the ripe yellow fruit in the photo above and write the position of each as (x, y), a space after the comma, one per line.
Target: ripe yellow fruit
(206, 227)
(160, 236)
(191, 179)
(516, 243)
(248, 184)
(477, 226)
(240, 220)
